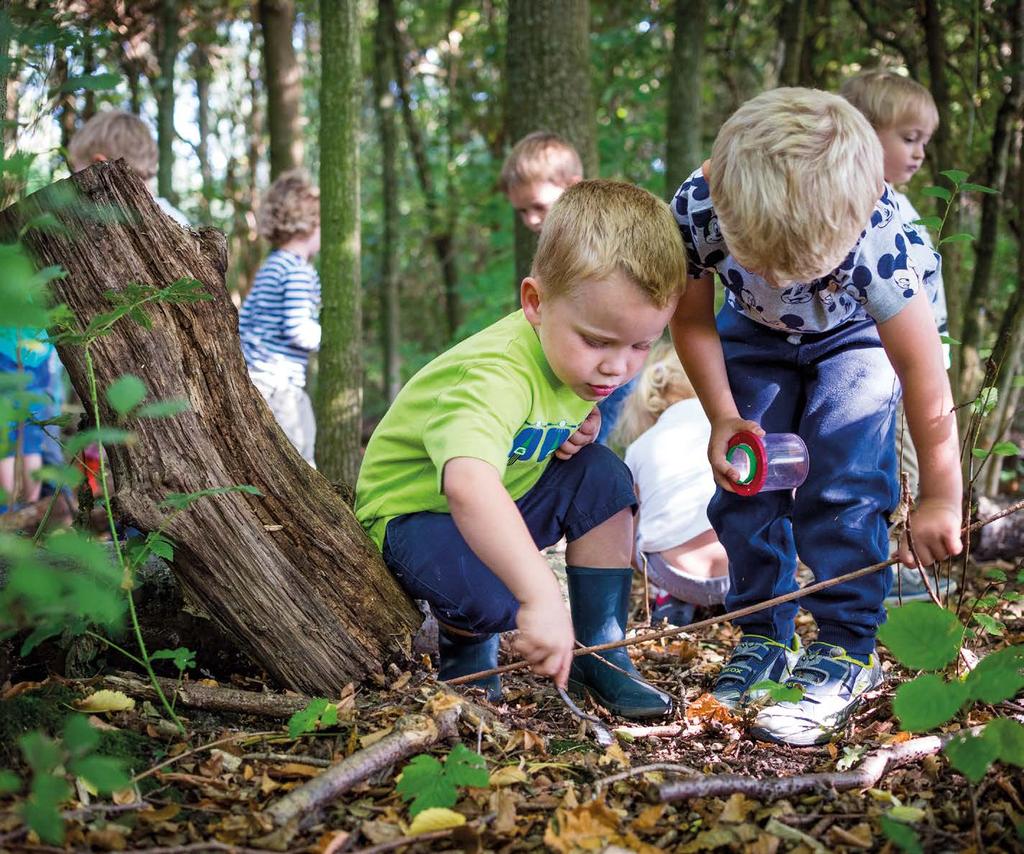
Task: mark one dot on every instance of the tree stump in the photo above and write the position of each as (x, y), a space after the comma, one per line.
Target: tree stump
(290, 573)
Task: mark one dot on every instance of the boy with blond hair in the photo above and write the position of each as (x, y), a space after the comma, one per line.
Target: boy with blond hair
(279, 323)
(824, 303)
(904, 115)
(481, 461)
(114, 134)
(540, 167)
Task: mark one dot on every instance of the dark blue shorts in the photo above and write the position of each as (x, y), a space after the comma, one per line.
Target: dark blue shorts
(31, 434)
(431, 560)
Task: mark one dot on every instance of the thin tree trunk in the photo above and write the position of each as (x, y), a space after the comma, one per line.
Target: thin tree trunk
(88, 68)
(390, 303)
(66, 101)
(283, 84)
(441, 239)
(203, 73)
(289, 573)
(791, 40)
(1008, 115)
(168, 42)
(685, 148)
(548, 86)
(339, 384)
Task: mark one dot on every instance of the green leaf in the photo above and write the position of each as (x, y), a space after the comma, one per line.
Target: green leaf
(464, 767)
(986, 400)
(977, 188)
(160, 546)
(979, 453)
(927, 702)
(425, 783)
(106, 773)
(957, 176)
(932, 222)
(949, 339)
(995, 574)
(106, 435)
(922, 636)
(1006, 449)
(1018, 381)
(959, 237)
(1008, 736)
(9, 782)
(778, 692)
(306, 720)
(79, 735)
(59, 476)
(181, 500)
(41, 752)
(901, 835)
(163, 408)
(125, 393)
(990, 625)
(40, 809)
(91, 82)
(971, 755)
(183, 657)
(938, 193)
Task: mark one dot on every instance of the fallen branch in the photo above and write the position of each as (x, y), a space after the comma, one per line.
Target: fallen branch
(210, 698)
(868, 772)
(731, 615)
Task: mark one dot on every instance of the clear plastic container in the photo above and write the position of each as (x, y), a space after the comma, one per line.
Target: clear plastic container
(772, 461)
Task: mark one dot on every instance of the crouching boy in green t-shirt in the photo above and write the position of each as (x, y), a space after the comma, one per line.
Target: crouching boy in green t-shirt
(487, 454)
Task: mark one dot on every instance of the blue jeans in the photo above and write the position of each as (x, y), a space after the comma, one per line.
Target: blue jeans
(431, 560)
(838, 391)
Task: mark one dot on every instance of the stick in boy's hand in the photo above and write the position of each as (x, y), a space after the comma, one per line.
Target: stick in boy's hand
(586, 434)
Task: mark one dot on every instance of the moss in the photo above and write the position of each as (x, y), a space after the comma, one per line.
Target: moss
(44, 709)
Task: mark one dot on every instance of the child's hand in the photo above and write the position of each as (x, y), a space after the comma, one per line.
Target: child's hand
(584, 435)
(545, 638)
(722, 431)
(936, 529)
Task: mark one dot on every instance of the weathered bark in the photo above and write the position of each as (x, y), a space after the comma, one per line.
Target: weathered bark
(340, 381)
(791, 40)
(548, 86)
(1002, 539)
(390, 303)
(441, 236)
(685, 149)
(289, 574)
(168, 39)
(283, 84)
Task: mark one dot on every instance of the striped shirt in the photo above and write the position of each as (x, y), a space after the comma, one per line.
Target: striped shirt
(279, 322)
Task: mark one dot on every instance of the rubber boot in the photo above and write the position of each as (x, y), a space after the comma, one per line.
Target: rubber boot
(461, 654)
(599, 600)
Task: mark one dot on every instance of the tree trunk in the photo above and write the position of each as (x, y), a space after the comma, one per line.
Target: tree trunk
(283, 84)
(791, 40)
(390, 303)
(440, 237)
(340, 381)
(288, 573)
(203, 74)
(88, 68)
(548, 86)
(167, 42)
(65, 106)
(685, 149)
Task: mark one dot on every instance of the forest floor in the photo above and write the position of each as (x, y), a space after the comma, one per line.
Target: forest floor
(552, 787)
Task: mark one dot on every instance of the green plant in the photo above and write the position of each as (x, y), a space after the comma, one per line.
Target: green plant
(318, 713)
(427, 783)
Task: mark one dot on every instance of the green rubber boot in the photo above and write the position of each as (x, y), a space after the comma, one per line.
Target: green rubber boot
(461, 655)
(599, 600)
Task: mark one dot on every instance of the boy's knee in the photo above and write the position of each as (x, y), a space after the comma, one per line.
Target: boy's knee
(601, 469)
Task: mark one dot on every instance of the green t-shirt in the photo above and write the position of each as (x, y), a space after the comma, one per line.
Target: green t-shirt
(492, 397)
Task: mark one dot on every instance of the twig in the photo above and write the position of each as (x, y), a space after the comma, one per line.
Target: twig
(238, 736)
(405, 840)
(594, 723)
(671, 767)
(732, 615)
(289, 757)
(663, 731)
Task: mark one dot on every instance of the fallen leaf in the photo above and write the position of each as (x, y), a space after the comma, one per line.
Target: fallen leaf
(508, 775)
(594, 826)
(165, 813)
(614, 754)
(908, 815)
(503, 803)
(737, 808)
(435, 818)
(374, 737)
(858, 837)
(105, 701)
(707, 708)
(649, 817)
(294, 769)
(19, 688)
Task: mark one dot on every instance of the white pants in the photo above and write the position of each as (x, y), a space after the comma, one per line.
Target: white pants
(293, 411)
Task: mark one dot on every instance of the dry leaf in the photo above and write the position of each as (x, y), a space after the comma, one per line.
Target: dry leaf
(591, 827)
(165, 813)
(707, 708)
(105, 701)
(503, 803)
(435, 818)
(508, 775)
(614, 754)
(374, 737)
(295, 769)
(649, 817)
(737, 808)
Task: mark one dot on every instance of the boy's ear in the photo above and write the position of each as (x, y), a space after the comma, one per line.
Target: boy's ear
(530, 299)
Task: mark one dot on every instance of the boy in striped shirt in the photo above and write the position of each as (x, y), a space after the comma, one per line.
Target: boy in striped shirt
(279, 322)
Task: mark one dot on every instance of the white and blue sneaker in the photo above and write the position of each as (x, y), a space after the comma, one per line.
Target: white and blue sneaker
(756, 659)
(833, 683)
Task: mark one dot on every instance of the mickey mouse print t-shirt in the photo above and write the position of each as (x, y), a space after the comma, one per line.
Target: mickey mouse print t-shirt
(875, 280)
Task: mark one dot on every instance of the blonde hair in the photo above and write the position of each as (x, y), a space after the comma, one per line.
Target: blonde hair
(291, 207)
(887, 99)
(540, 156)
(597, 228)
(795, 174)
(112, 134)
(661, 383)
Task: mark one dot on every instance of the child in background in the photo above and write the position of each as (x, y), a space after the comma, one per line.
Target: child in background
(904, 116)
(659, 420)
(279, 323)
(114, 134)
(540, 167)
(487, 455)
(23, 351)
(824, 303)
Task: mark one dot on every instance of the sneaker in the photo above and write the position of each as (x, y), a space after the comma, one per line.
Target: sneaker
(908, 587)
(833, 683)
(674, 611)
(756, 658)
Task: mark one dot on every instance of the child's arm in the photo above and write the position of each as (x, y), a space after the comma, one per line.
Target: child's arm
(493, 527)
(912, 343)
(301, 326)
(584, 435)
(700, 350)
